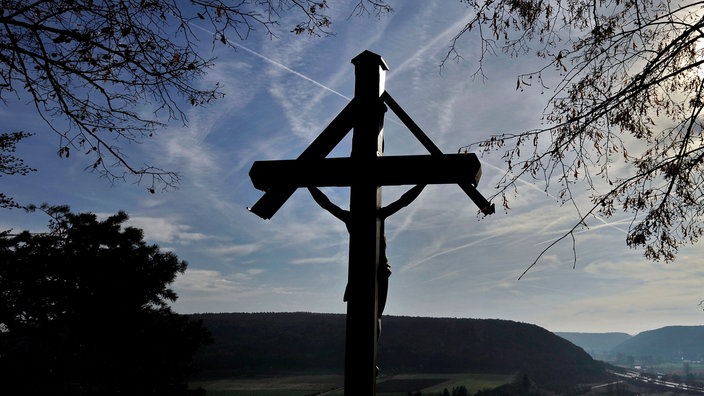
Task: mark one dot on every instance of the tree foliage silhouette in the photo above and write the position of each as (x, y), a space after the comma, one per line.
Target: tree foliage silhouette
(94, 69)
(624, 115)
(84, 309)
(10, 164)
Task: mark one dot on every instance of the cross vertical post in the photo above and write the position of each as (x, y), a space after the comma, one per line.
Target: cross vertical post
(365, 229)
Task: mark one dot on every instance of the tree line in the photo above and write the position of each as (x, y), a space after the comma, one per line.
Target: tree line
(84, 309)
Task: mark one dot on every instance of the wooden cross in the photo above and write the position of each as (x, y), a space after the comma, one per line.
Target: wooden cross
(365, 171)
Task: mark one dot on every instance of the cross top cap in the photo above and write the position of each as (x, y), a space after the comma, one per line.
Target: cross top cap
(368, 57)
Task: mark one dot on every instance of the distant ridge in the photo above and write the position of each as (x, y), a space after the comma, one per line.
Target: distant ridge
(671, 343)
(666, 344)
(598, 345)
(279, 343)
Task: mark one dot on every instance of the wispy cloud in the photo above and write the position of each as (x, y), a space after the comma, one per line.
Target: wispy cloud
(236, 250)
(169, 230)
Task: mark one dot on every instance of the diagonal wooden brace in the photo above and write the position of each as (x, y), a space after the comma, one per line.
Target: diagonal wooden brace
(275, 197)
(470, 189)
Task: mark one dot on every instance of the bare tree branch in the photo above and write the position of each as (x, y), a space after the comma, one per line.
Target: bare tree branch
(90, 67)
(629, 74)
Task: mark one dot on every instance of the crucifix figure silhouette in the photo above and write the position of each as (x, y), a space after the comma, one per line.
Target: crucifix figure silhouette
(365, 171)
(384, 268)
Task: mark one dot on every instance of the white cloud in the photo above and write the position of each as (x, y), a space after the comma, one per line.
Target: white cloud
(236, 250)
(315, 260)
(161, 229)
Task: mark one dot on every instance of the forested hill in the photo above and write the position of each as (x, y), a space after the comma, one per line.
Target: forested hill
(666, 344)
(671, 343)
(270, 343)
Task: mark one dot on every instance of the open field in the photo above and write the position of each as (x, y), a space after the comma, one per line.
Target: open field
(695, 369)
(332, 384)
(679, 368)
(290, 385)
(402, 384)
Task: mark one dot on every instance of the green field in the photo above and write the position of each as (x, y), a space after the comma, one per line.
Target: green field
(474, 382)
(293, 385)
(332, 384)
(255, 393)
(679, 368)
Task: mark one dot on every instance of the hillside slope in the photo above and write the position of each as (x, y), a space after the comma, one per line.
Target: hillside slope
(671, 343)
(276, 343)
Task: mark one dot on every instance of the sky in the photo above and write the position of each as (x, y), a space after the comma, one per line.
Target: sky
(447, 260)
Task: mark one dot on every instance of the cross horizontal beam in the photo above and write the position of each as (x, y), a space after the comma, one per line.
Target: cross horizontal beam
(379, 171)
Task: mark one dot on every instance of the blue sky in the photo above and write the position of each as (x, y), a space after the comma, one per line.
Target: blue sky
(447, 261)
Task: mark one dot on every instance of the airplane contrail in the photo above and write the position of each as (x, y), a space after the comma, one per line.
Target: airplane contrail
(447, 33)
(288, 69)
(278, 64)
